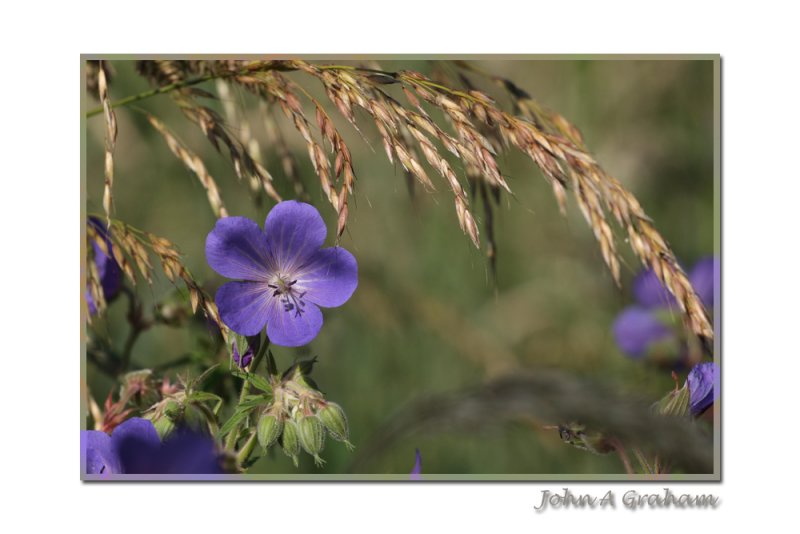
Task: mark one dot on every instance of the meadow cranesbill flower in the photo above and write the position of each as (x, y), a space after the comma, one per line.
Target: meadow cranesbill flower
(416, 472)
(641, 327)
(108, 271)
(703, 383)
(135, 448)
(283, 276)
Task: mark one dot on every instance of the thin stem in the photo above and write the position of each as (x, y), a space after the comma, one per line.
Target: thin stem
(233, 437)
(623, 456)
(153, 92)
(642, 461)
(138, 325)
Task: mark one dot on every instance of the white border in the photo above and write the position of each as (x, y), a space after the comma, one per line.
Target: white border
(41, 229)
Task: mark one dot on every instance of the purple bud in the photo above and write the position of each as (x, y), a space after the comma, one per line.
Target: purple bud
(245, 359)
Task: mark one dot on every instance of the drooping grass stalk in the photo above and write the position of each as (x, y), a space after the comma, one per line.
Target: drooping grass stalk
(153, 92)
(175, 86)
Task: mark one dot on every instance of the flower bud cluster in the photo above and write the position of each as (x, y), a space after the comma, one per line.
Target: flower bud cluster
(299, 418)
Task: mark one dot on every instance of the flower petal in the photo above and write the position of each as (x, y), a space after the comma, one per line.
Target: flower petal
(288, 328)
(294, 231)
(237, 248)
(187, 452)
(636, 329)
(416, 472)
(99, 453)
(136, 443)
(329, 278)
(108, 271)
(649, 291)
(244, 306)
(705, 280)
(703, 383)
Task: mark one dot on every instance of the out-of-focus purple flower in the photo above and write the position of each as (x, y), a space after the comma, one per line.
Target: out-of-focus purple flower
(283, 274)
(649, 292)
(636, 330)
(704, 384)
(416, 472)
(705, 280)
(134, 448)
(245, 359)
(108, 271)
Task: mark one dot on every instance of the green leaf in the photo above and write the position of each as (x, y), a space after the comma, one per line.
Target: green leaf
(203, 396)
(251, 401)
(257, 381)
(238, 416)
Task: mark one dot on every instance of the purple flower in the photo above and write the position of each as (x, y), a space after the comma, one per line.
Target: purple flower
(283, 274)
(639, 328)
(108, 271)
(703, 383)
(705, 280)
(134, 448)
(636, 330)
(245, 359)
(416, 472)
(649, 292)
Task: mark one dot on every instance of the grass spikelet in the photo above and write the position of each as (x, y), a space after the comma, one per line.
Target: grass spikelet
(110, 140)
(194, 164)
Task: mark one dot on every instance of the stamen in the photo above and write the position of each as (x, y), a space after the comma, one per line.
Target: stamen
(291, 300)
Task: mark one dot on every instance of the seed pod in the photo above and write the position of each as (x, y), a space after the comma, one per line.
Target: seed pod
(173, 410)
(289, 441)
(269, 430)
(312, 436)
(335, 420)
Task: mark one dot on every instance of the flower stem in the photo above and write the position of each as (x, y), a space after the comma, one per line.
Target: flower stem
(233, 437)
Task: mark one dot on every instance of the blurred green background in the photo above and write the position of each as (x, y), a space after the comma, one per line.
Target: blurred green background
(427, 317)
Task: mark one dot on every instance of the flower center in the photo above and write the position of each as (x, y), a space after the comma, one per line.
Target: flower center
(290, 297)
